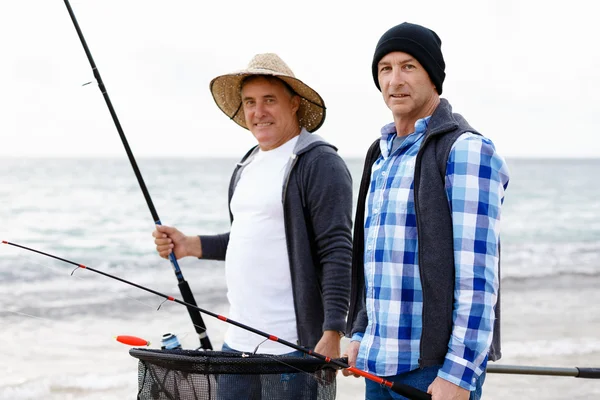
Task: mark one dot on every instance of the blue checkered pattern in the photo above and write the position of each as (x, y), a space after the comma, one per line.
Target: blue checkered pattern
(476, 178)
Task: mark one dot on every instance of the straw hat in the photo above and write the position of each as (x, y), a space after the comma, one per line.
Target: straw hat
(226, 90)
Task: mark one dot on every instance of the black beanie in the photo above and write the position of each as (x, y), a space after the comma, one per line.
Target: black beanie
(421, 43)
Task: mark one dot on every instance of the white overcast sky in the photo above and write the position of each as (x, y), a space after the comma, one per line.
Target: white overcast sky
(524, 73)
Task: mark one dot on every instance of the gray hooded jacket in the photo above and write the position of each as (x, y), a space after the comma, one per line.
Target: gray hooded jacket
(317, 206)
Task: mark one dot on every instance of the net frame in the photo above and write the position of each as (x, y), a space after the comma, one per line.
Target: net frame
(214, 375)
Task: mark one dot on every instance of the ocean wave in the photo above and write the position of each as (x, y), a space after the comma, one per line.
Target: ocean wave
(556, 278)
(71, 387)
(541, 259)
(556, 347)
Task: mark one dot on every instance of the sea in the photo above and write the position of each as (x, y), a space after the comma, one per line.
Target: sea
(58, 323)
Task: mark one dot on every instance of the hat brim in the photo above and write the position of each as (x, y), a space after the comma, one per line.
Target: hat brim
(226, 91)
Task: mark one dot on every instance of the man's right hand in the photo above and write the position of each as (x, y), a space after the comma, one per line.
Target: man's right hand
(170, 240)
(351, 353)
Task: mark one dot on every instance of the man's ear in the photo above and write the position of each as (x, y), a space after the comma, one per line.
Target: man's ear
(295, 103)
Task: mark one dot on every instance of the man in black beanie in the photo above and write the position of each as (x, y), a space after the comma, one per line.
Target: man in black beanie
(424, 307)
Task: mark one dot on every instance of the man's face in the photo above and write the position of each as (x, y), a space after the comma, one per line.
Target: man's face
(270, 111)
(405, 85)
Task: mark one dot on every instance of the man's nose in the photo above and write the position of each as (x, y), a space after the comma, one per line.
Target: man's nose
(260, 109)
(397, 78)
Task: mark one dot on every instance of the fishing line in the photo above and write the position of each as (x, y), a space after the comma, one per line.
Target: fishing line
(402, 389)
(53, 323)
(59, 271)
(258, 345)
(244, 354)
(272, 357)
(313, 376)
(182, 335)
(46, 320)
(147, 305)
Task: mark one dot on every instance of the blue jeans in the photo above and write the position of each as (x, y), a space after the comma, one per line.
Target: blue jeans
(272, 386)
(418, 378)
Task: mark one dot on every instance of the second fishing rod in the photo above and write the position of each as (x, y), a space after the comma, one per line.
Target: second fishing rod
(400, 388)
(184, 287)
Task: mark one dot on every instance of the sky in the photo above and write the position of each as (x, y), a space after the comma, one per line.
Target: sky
(523, 73)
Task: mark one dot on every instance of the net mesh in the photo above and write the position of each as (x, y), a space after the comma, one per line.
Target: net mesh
(215, 375)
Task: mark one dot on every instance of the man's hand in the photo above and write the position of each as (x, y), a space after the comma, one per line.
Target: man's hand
(169, 240)
(329, 345)
(441, 389)
(351, 353)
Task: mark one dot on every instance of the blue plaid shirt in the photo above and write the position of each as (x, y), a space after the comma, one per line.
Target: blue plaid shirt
(476, 177)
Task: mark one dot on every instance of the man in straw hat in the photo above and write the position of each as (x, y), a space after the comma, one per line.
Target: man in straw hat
(288, 252)
(426, 254)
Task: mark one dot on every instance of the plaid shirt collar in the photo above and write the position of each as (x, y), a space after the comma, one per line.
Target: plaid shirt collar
(388, 134)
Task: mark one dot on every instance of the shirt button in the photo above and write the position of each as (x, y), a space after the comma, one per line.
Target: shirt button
(384, 173)
(369, 247)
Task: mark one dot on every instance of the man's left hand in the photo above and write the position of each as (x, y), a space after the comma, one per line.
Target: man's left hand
(441, 389)
(329, 345)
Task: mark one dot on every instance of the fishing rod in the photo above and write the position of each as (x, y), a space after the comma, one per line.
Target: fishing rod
(184, 287)
(400, 388)
(576, 372)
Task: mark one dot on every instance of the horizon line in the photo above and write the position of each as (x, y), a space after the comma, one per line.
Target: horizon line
(213, 156)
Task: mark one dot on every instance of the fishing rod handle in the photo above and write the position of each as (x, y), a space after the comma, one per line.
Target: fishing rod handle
(410, 392)
(172, 258)
(400, 388)
(175, 265)
(188, 297)
(590, 373)
(197, 320)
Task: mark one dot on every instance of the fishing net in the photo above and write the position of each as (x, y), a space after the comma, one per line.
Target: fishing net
(215, 375)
